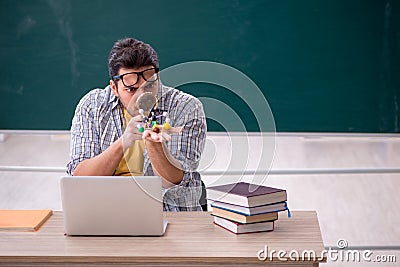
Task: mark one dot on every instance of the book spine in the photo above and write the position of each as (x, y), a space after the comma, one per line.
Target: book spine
(249, 214)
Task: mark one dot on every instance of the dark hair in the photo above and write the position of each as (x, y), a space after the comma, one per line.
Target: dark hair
(131, 53)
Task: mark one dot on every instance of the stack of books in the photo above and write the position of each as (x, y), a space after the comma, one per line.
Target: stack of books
(246, 208)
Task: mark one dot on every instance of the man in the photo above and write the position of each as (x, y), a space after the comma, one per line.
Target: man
(105, 137)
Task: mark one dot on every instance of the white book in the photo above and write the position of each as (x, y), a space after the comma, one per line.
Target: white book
(239, 228)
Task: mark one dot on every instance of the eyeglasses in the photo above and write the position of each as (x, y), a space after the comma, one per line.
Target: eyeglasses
(129, 79)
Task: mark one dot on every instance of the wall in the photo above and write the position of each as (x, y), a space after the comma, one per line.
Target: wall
(323, 66)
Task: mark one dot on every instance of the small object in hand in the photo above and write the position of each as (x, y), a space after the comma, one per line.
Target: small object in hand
(145, 104)
(167, 126)
(156, 129)
(140, 128)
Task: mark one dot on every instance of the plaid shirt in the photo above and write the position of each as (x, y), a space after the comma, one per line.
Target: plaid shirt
(98, 122)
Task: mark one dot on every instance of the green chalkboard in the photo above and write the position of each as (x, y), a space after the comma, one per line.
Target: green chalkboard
(323, 66)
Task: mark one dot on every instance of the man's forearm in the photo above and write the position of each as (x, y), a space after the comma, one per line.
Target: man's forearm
(163, 163)
(103, 164)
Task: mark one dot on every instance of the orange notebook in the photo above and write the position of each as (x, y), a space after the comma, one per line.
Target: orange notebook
(23, 220)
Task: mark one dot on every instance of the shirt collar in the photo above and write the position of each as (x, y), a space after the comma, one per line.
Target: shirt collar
(113, 100)
(161, 95)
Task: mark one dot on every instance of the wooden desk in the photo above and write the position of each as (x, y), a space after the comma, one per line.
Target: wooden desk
(191, 239)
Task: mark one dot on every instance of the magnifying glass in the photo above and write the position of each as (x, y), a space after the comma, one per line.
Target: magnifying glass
(147, 102)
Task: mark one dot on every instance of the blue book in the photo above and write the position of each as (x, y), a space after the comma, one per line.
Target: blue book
(248, 211)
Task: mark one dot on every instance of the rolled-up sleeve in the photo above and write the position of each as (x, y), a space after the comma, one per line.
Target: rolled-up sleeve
(85, 141)
(187, 148)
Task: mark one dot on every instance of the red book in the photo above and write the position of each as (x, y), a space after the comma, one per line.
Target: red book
(239, 228)
(245, 194)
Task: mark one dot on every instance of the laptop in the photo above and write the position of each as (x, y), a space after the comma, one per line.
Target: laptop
(113, 205)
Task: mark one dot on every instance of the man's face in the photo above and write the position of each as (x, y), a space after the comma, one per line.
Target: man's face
(131, 85)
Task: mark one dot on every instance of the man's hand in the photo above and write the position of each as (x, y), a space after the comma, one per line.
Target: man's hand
(131, 133)
(161, 134)
(151, 136)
